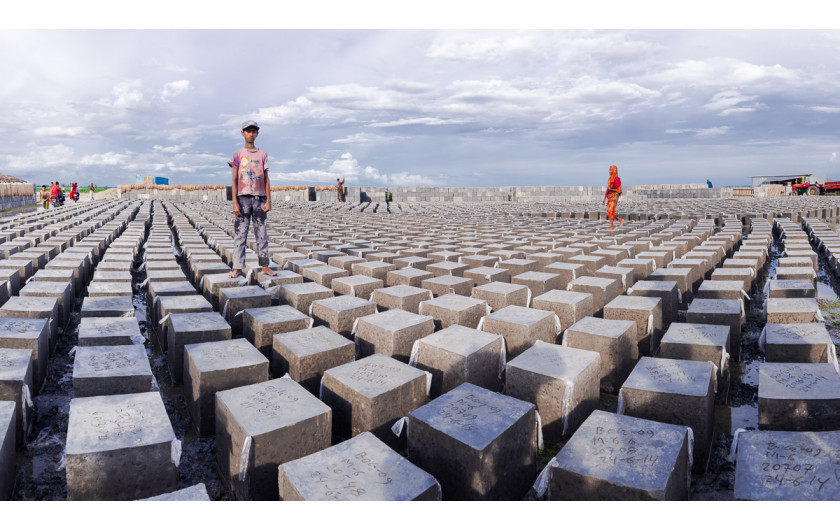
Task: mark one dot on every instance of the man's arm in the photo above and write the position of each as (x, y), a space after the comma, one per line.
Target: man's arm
(235, 191)
(267, 206)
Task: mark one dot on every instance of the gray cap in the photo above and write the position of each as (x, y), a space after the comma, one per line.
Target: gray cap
(249, 123)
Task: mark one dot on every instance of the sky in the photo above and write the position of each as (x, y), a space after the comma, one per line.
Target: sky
(418, 107)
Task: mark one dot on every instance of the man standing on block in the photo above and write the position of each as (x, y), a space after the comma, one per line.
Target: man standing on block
(339, 189)
(251, 199)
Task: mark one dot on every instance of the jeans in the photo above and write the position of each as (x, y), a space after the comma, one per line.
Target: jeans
(250, 208)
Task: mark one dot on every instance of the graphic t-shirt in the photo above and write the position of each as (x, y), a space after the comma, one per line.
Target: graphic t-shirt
(251, 166)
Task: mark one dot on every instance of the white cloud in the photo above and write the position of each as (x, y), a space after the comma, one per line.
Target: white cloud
(104, 159)
(127, 94)
(712, 131)
(367, 139)
(825, 109)
(730, 101)
(721, 71)
(173, 89)
(49, 156)
(59, 131)
(171, 148)
(355, 174)
(416, 121)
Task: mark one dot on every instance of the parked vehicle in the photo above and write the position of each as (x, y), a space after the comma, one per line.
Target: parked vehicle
(805, 188)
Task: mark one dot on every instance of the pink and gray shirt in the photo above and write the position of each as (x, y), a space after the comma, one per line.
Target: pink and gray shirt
(252, 166)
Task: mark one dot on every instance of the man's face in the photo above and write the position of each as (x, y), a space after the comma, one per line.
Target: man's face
(250, 134)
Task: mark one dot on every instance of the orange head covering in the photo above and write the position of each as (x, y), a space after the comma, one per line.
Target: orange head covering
(613, 171)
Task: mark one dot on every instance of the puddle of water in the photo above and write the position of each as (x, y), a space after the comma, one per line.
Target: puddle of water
(826, 291)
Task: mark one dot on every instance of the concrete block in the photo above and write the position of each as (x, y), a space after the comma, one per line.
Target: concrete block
(391, 333)
(792, 311)
(110, 370)
(32, 335)
(614, 340)
(791, 289)
(667, 291)
(480, 445)
(191, 328)
(16, 387)
(603, 290)
(522, 327)
(302, 295)
(7, 449)
(564, 384)
(235, 300)
(120, 447)
(371, 394)
(370, 471)
(616, 457)
(454, 309)
(678, 392)
(797, 343)
(646, 312)
(569, 306)
(400, 297)
(306, 354)
(107, 306)
(458, 354)
(357, 285)
(798, 397)
(211, 367)
(789, 466)
(263, 425)
(442, 285)
(499, 295)
(409, 276)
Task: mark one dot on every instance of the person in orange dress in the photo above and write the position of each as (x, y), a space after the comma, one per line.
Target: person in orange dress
(611, 196)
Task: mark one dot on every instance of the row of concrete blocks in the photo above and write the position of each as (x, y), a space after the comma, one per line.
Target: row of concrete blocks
(32, 316)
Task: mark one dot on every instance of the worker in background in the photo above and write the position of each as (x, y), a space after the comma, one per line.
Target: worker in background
(709, 183)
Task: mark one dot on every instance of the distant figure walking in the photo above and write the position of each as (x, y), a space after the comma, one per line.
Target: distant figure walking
(339, 189)
(611, 196)
(709, 183)
(92, 187)
(45, 196)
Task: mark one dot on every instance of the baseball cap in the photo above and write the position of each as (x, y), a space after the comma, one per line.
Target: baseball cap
(249, 123)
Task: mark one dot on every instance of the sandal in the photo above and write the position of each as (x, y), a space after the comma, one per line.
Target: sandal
(235, 273)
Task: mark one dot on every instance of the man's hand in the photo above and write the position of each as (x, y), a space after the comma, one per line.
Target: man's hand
(266, 207)
(236, 211)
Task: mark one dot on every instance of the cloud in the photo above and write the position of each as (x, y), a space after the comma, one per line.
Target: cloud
(712, 131)
(367, 139)
(348, 167)
(127, 94)
(60, 131)
(105, 159)
(721, 71)
(825, 109)
(171, 148)
(727, 102)
(173, 89)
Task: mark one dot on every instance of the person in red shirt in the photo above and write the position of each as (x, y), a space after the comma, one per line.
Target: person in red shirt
(611, 196)
(73, 191)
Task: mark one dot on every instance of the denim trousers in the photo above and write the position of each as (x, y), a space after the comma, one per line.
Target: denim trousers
(250, 208)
